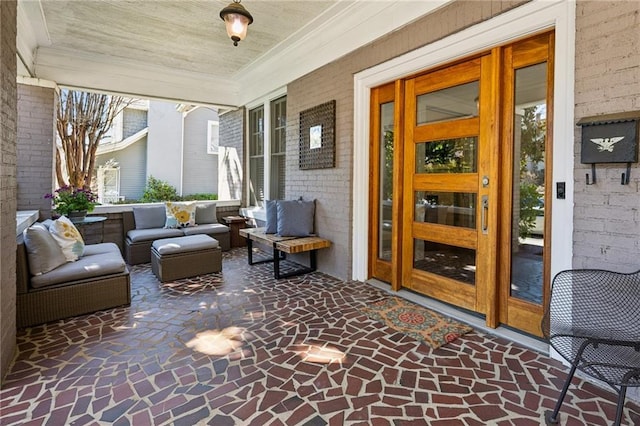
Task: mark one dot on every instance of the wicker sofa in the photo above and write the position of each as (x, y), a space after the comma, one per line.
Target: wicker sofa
(139, 236)
(96, 281)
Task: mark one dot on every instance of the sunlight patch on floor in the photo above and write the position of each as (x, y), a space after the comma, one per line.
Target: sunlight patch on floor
(217, 342)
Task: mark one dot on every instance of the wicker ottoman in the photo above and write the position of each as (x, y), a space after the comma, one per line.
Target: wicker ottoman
(184, 257)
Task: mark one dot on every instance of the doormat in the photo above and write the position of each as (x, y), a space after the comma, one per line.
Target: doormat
(415, 321)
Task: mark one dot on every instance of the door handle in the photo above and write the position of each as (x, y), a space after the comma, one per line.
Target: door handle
(484, 214)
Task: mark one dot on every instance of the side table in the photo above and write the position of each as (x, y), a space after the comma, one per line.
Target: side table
(88, 221)
(236, 223)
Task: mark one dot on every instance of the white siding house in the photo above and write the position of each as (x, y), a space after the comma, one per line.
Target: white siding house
(171, 142)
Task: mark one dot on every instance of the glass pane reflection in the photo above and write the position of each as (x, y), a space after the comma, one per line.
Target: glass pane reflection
(448, 261)
(447, 156)
(530, 130)
(386, 180)
(446, 208)
(448, 104)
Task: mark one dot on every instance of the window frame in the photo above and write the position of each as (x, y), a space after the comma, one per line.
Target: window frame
(265, 103)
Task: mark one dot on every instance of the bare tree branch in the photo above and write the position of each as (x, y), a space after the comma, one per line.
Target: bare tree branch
(83, 118)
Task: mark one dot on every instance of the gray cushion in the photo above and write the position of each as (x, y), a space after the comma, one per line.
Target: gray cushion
(139, 235)
(206, 213)
(92, 249)
(295, 218)
(271, 210)
(149, 217)
(88, 266)
(184, 244)
(211, 228)
(43, 251)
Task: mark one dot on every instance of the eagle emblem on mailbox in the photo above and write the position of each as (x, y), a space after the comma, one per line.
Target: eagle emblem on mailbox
(606, 144)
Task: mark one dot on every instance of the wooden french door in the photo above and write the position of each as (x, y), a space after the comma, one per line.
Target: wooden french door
(458, 183)
(449, 233)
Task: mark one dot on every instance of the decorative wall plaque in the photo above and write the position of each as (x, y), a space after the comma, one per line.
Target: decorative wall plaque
(317, 136)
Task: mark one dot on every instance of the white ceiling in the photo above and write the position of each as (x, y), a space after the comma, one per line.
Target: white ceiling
(179, 50)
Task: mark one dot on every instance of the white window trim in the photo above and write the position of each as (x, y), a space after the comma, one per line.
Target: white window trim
(102, 170)
(265, 102)
(519, 22)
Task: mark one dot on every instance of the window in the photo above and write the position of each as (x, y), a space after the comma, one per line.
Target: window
(267, 151)
(109, 183)
(278, 148)
(213, 136)
(256, 155)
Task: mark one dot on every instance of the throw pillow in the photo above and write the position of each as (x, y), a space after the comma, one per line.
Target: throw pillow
(206, 213)
(185, 213)
(149, 217)
(271, 210)
(171, 222)
(43, 251)
(68, 238)
(295, 218)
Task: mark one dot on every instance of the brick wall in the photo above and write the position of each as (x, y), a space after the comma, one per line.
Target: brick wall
(231, 156)
(332, 188)
(8, 125)
(36, 147)
(607, 214)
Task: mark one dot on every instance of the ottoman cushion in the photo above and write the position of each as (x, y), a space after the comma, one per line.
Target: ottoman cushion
(184, 244)
(184, 257)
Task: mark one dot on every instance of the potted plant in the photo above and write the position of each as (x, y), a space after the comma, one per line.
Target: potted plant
(74, 203)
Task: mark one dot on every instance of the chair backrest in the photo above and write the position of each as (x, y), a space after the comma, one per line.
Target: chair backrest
(22, 267)
(595, 303)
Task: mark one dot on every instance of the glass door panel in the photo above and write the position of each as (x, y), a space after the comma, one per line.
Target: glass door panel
(386, 180)
(383, 151)
(457, 155)
(451, 103)
(526, 146)
(530, 128)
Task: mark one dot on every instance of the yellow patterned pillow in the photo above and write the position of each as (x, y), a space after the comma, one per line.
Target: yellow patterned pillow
(68, 238)
(185, 213)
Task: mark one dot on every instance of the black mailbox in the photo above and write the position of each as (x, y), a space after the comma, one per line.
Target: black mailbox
(611, 138)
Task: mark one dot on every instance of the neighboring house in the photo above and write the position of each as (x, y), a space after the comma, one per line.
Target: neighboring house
(175, 143)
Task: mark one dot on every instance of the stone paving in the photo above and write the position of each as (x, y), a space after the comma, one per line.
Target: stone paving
(240, 348)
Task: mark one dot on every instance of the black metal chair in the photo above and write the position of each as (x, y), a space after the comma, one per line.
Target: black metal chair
(593, 322)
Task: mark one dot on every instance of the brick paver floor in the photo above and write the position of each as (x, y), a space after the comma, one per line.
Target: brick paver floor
(239, 347)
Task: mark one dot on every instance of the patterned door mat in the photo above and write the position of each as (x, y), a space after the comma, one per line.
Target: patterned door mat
(416, 321)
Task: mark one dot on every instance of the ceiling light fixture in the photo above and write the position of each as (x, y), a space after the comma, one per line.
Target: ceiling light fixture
(237, 19)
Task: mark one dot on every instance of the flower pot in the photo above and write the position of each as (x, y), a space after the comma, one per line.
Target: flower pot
(77, 216)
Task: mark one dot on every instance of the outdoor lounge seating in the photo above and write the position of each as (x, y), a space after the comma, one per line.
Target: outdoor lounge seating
(184, 257)
(98, 280)
(289, 229)
(593, 322)
(144, 225)
(281, 246)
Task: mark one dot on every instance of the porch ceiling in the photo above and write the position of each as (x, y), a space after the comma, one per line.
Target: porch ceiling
(178, 49)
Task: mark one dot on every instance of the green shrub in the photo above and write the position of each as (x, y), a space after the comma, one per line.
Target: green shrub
(195, 197)
(158, 190)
